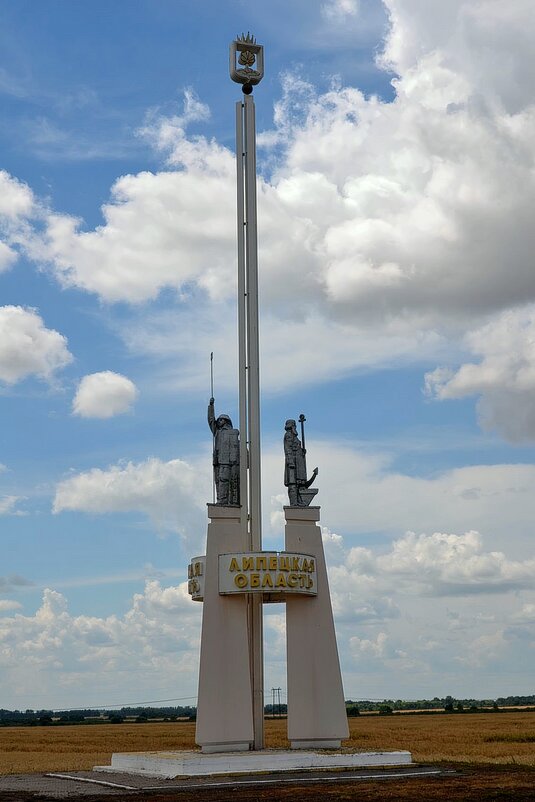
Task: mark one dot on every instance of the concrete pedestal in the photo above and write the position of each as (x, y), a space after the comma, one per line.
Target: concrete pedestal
(224, 711)
(169, 765)
(316, 707)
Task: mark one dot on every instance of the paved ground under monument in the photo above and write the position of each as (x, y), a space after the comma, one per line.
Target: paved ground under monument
(474, 783)
(80, 784)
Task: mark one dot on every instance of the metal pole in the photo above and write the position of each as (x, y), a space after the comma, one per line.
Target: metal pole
(213, 435)
(250, 386)
(211, 374)
(242, 328)
(302, 420)
(253, 412)
(253, 378)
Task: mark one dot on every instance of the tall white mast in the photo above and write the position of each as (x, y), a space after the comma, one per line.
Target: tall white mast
(245, 51)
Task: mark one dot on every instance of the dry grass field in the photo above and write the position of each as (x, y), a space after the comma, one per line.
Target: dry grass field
(466, 738)
(491, 738)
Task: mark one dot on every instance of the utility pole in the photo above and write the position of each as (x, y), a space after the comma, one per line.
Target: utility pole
(244, 53)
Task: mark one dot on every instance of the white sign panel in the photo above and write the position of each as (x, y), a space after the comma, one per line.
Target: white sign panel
(267, 572)
(196, 578)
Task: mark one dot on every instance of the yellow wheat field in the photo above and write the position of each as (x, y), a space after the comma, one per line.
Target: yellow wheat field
(472, 738)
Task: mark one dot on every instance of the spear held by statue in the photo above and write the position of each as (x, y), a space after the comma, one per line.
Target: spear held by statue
(315, 472)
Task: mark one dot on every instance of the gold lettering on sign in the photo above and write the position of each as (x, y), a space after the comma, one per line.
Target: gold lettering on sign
(257, 571)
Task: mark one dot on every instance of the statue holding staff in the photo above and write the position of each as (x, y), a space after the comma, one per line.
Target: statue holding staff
(226, 458)
(295, 466)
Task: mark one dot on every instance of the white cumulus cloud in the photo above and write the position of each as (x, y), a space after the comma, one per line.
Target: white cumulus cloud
(437, 564)
(103, 395)
(6, 605)
(17, 207)
(378, 593)
(27, 347)
(487, 41)
(504, 376)
(373, 648)
(426, 218)
(339, 10)
(7, 256)
(424, 225)
(8, 505)
(452, 564)
(54, 658)
(171, 494)
(16, 199)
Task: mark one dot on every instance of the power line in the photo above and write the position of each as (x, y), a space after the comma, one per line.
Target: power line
(369, 699)
(124, 704)
(277, 691)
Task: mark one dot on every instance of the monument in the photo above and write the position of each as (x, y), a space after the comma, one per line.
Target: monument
(228, 578)
(238, 576)
(235, 577)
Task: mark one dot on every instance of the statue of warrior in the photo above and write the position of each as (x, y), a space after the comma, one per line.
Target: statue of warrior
(295, 466)
(226, 459)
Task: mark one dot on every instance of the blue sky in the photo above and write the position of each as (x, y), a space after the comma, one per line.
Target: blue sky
(396, 190)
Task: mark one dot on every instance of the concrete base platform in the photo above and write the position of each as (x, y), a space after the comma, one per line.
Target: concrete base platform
(236, 746)
(317, 743)
(169, 765)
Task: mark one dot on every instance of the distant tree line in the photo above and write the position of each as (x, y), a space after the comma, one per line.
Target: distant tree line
(447, 704)
(276, 710)
(92, 716)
